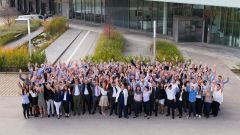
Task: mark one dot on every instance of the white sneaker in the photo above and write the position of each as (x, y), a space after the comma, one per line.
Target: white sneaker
(194, 117)
(199, 116)
(187, 116)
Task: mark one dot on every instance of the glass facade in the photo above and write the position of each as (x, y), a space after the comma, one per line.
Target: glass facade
(196, 23)
(224, 26)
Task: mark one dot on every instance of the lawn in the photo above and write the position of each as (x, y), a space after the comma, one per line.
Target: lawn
(16, 31)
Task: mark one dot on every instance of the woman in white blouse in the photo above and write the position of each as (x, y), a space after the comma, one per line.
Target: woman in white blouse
(104, 99)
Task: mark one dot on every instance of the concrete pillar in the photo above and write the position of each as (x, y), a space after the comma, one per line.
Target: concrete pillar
(165, 12)
(65, 8)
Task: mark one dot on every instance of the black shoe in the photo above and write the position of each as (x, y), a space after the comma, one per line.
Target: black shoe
(167, 115)
(53, 115)
(180, 116)
(135, 116)
(48, 116)
(100, 113)
(148, 117)
(156, 114)
(126, 117)
(93, 112)
(119, 117)
(110, 114)
(58, 116)
(173, 117)
(78, 114)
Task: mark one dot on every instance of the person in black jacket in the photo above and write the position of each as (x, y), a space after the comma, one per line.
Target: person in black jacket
(156, 97)
(49, 95)
(66, 100)
(162, 97)
(57, 98)
(86, 93)
(180, 96)
(113, 93)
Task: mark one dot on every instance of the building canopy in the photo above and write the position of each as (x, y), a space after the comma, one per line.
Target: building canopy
(222, 3)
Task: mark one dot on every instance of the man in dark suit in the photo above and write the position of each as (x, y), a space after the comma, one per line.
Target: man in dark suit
(112, 93)
(154, 99)
(76, 92)
(86, 95)
(96, 94)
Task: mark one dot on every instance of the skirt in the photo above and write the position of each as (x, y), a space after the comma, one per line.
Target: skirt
(103, 101)
(161, 101)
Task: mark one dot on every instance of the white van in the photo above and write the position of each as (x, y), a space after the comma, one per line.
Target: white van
(32, 17)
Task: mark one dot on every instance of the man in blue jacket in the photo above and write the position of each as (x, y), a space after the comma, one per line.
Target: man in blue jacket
(192, 99)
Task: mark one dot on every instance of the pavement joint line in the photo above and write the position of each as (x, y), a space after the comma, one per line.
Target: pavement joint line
(78, 47)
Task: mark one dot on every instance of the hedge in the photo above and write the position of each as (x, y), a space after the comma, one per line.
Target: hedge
(56, 25)
(166, 51)
(109, 48)
(14, 59)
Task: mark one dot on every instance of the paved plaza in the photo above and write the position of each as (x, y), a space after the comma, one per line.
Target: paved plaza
(227, 123)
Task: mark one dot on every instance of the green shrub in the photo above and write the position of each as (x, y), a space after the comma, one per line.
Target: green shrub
(56, 25)
(168, 52)
(14, 59)
(109, 48)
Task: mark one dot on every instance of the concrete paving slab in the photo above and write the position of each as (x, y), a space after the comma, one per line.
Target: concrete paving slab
(58, 47)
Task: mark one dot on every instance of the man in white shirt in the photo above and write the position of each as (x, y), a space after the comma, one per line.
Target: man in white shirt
(171, 95)
(87, 93)
(113, 93)
(121, 99)
(76, 96)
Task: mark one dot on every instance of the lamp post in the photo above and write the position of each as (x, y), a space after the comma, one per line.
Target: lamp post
(154, 41)
(29, 34)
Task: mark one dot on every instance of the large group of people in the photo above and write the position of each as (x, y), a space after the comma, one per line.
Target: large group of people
(112, 88)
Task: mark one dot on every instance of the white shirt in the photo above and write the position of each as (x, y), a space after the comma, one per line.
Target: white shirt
(146, 96)
(103, 92)
(170, 94)
(125, 93)
(65, 96)
(33, 94)
(86, 90)
(218, 96)
(180, 98)
(115, 90)
(76, 91)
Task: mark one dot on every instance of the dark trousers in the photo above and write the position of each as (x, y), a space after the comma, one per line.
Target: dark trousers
(25, 110)
(207, 109)
(192, 108)
(151, 106)
(71, 103)
(199, 106)
(66, 106)
(113, 105)
(180, 107)
(95, 103)
(185, 105)
(86, 101)
(122, 108)
(171, 105)
(137, 107)
(155, 106)
(146, 107)
(215, 108)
